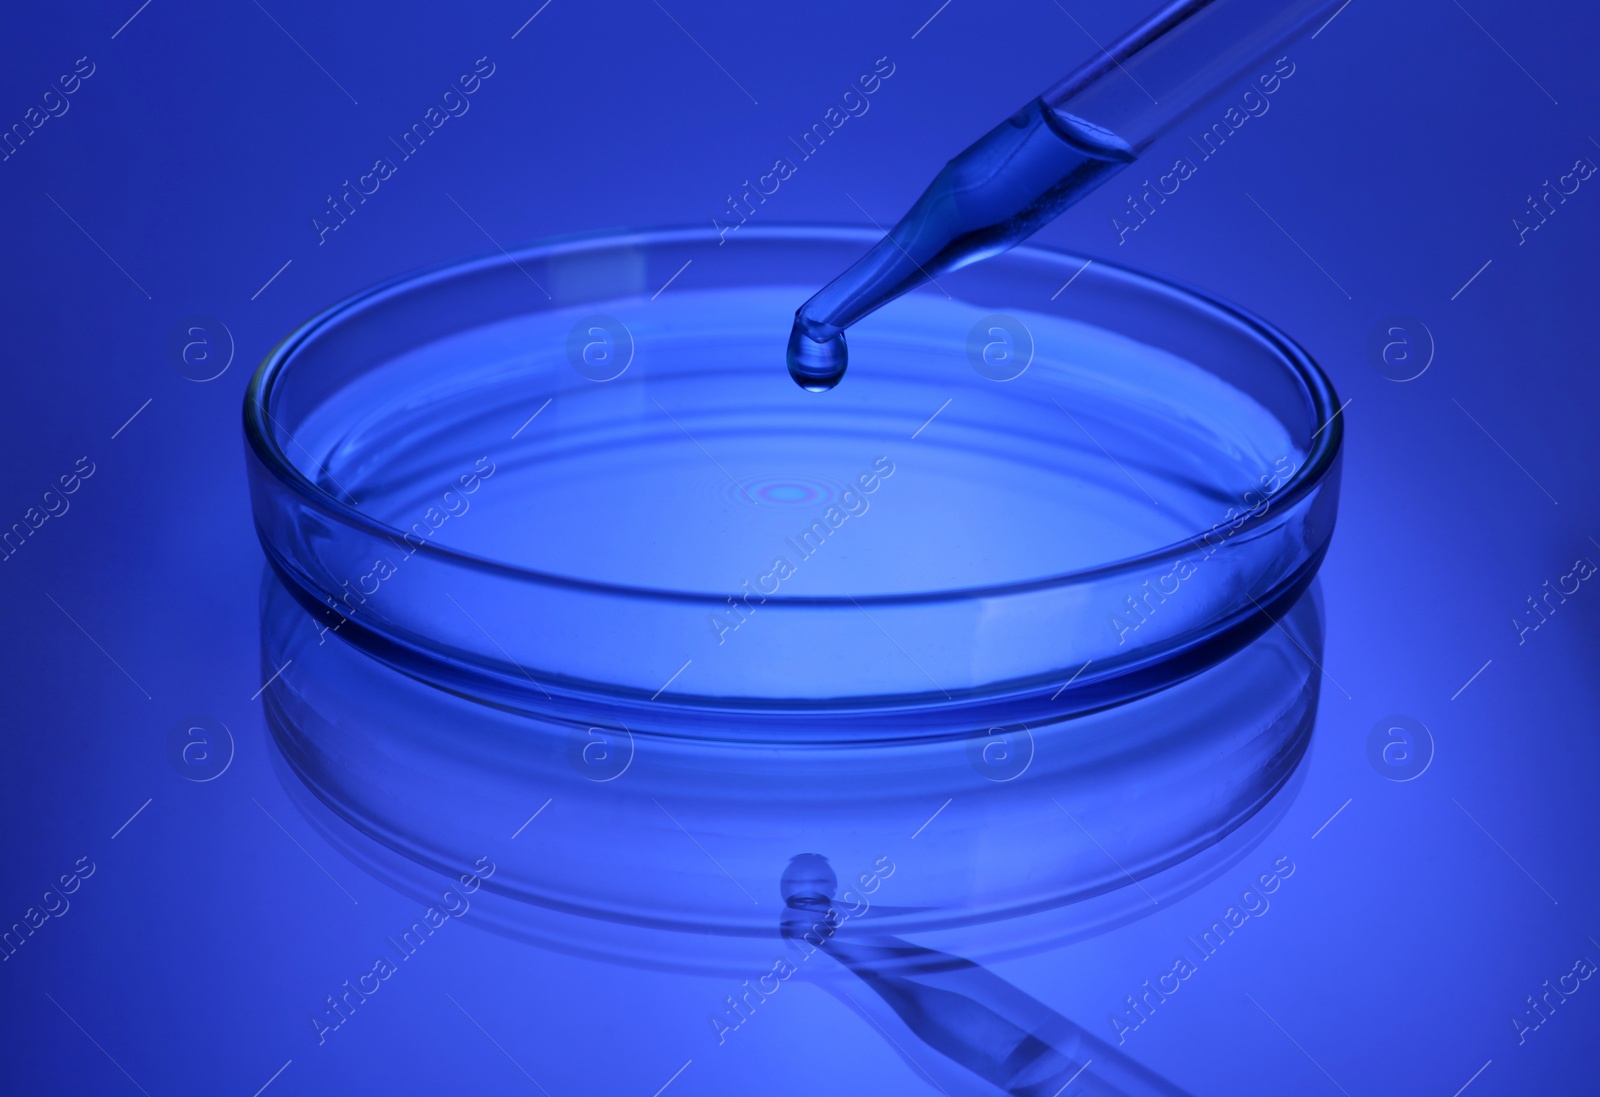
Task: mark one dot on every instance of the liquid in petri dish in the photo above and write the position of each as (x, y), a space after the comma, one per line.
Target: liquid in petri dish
(693, 470)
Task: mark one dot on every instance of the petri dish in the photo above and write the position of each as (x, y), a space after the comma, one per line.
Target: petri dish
(568, 502)
(429, 460)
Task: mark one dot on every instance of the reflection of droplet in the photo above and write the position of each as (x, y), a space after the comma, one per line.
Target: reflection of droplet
(786, 491)
(816, 366)
(809, 876)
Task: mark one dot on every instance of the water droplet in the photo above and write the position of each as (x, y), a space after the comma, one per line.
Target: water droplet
(816, 366)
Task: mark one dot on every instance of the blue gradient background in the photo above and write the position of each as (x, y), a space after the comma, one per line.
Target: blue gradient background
(196, 156)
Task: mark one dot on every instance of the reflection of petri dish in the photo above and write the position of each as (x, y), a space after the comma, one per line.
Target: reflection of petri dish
(623, 566)
(666, 851)
(435, 459)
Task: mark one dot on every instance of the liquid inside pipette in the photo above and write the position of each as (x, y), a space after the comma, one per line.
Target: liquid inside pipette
(998, 192)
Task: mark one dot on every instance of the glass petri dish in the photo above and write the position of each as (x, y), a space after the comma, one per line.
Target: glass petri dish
(576, 476)
(1017, 606)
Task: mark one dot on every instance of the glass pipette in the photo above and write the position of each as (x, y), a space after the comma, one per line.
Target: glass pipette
(1052, 152)
(984, 1028)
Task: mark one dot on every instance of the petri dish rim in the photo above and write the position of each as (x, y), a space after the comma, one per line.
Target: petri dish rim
(1325, 440)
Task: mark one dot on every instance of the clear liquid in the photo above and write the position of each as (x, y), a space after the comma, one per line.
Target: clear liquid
(693, 470)
(816, 365)
(997, 193)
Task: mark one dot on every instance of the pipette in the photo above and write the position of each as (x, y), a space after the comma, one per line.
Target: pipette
(1052, 152)
(987, 1030)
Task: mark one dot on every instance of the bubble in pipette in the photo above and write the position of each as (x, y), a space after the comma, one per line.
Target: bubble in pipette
(816, 366)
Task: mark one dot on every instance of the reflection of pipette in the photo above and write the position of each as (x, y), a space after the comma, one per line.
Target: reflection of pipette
(970, 1016)
(1045, 157)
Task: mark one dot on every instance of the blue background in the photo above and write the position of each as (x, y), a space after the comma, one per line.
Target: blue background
(187, 171)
